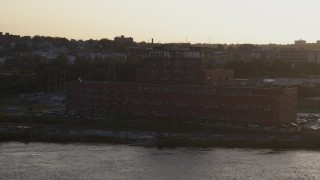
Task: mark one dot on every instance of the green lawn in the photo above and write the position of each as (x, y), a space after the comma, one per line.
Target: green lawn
(309, 110)
(6, 103)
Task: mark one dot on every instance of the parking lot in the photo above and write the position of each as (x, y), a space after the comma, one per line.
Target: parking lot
(35, 103)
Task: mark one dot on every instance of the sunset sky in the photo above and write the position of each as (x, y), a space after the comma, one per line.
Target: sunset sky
(203, 21)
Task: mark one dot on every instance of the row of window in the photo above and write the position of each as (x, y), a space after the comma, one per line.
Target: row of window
(177, 103)
(177, 54)
(219, 116)
(214, 90)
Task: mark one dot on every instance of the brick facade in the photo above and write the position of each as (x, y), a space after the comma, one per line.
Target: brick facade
(267, 106)
(179, 85)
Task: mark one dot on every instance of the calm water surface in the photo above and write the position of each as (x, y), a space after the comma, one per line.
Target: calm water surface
(115, 162)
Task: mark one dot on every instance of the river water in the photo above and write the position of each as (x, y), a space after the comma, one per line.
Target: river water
(117, 162)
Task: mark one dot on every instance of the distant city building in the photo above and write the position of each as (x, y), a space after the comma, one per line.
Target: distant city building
(109, 55)
(8, 38)
(299, 55)
(222, 58)
(123, 40)
(300, 42)
(294, 55)
(182, 66)
(51, 53)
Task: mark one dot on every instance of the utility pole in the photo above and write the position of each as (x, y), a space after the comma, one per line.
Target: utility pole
(56, 82)
(49, 81)
(112, 74)
(62, 82)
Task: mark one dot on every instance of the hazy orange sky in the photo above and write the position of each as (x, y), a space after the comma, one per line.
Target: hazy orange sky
(203, 21)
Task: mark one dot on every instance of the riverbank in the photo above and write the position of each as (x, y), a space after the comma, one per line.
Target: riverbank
(171, 141)
(150, 133)
(54, 134)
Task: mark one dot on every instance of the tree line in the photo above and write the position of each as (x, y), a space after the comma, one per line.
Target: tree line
(34, 75)
(275, 69)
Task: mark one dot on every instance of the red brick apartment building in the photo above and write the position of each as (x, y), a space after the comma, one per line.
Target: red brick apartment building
(178, 84)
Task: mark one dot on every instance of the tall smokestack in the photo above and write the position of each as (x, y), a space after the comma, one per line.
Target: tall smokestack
(152, 41)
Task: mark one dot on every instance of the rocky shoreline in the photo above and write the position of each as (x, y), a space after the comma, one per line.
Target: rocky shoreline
(159, 139)
(152, 133)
